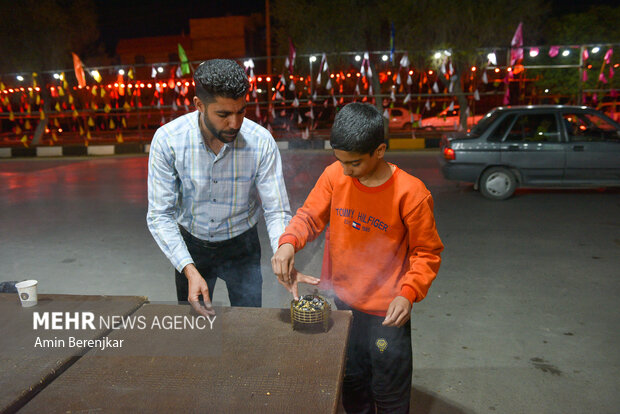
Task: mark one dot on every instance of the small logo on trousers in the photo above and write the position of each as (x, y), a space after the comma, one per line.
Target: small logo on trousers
(382, 344)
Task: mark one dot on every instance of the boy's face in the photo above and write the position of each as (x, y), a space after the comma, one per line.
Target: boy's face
(360, 166)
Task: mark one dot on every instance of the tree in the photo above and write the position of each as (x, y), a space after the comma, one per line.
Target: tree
(598, 25)
(463, 27)
(421, 26)
(332, 26)
(40, 35)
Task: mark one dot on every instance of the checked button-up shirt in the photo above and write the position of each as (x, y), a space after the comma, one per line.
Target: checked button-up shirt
(214, 197)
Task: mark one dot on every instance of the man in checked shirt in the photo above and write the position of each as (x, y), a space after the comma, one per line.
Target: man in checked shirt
(211, 172)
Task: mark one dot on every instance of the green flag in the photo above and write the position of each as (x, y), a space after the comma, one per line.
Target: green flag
(184, 61)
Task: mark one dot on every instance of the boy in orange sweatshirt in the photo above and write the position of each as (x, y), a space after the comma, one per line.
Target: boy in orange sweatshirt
(383, 252)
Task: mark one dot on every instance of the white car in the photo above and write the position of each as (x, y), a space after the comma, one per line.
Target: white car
(448, 119)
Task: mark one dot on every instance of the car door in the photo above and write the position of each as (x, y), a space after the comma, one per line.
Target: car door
(534, 147)
(593, 150)
(396, 118)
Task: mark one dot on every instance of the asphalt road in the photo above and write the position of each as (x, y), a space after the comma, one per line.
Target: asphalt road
(523, 317)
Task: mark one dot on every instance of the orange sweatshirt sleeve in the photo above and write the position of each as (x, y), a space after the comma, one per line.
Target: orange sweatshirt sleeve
(424, 251)
(310, 220)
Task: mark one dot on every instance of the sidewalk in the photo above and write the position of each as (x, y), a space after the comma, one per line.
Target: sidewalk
(395, 142)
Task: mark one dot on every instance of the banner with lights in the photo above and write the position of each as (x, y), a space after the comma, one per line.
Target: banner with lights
(112, 104)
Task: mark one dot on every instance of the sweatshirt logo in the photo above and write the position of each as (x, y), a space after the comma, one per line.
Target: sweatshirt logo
(356, 225)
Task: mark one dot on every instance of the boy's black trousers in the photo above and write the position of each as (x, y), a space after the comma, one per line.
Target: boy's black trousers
(379, 365)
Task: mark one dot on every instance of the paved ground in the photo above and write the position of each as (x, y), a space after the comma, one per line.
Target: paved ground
(523, 317)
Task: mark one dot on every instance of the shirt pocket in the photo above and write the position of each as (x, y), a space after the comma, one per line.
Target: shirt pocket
(243, 191)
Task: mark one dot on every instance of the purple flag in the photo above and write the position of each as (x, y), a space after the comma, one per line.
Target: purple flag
(516, 45)
(553, 51)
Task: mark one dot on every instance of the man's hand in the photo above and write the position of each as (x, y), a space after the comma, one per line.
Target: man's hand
(297, 278)
(398, 312)
(198, 286)
(282, 263)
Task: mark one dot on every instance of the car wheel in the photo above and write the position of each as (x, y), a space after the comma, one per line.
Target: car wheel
(498, 183)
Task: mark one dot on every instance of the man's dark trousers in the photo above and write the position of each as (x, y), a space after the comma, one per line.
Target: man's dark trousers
(236, 261)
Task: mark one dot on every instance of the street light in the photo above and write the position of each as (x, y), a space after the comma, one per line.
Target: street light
(566, 53)
(437, 55)
(358, 58)
(20, 78)
(384, 58)
(492, 58)
(312, 59)
(121, 72)
(596, 49)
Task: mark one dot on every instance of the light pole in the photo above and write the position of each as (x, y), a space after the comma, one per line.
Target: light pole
(312, 59)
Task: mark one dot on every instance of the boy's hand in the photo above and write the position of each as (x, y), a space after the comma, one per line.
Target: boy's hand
(296, 278)
(398, 312)
(282, 263)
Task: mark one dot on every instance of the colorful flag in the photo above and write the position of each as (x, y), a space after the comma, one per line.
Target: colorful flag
(392, 42)
(291, 55)
(516, 45)
(356, 225)
(553, 51)
(78, 66)
(184, 61)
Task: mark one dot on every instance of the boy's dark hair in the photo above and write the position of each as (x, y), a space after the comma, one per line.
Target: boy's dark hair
(358, 127)
(220, 77)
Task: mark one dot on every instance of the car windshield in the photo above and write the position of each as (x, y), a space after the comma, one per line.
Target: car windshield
(484, 123)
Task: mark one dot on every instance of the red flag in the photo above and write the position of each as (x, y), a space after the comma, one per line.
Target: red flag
(291, 55)
(516, 45)
(79, 70)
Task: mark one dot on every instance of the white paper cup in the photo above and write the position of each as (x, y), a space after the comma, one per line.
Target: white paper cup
(27, 291)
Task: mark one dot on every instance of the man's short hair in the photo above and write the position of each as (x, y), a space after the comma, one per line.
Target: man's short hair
(220, 77)
(358, 127)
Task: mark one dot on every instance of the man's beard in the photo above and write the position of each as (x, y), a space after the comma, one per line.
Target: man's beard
(225, 136)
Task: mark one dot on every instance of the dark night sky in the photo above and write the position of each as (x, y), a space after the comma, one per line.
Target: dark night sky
(140, 18)
(120, 19)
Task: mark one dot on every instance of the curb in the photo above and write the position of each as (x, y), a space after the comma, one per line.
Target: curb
(134, 148)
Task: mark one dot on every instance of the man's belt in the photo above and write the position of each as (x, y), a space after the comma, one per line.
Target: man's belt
(209, 244)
